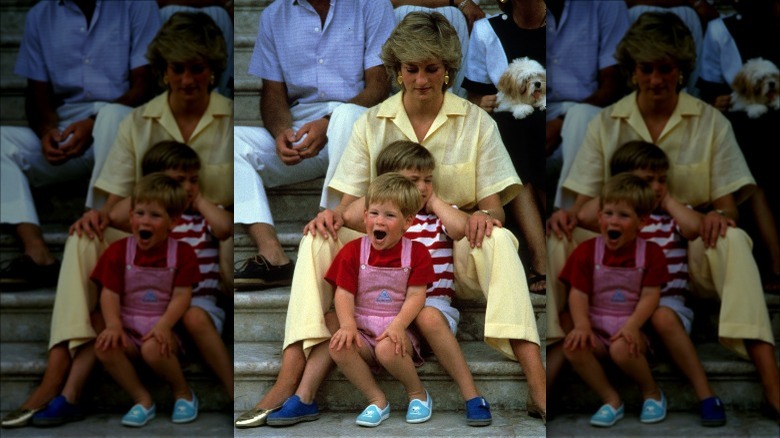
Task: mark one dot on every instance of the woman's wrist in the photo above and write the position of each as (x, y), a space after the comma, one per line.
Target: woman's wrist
(462, 5)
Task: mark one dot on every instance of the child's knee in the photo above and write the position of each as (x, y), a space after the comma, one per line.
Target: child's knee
(196, 320)
(620, 351)
(110, 355)
(664, 320)
(430, 320)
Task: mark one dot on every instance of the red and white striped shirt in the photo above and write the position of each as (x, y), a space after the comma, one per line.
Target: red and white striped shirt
(664, 231)
(194, 230)
(428, 230)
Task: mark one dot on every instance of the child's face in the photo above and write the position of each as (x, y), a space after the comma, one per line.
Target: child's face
(385, 224)
(150, 224)
(657, 181)
(189, 180)
(423, 179)
(619, 224)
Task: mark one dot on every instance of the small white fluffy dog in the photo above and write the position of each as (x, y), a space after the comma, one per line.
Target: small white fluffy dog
(756, 88)
(522, 87)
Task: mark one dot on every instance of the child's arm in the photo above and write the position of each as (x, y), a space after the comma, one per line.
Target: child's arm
(345, 310)
(219, 219)
(631, 330)
(396, 331)
(689, 220)
(581, 335)
(588, 215)
(453, 219)
(353, 215)
(163, 329)
(113, 336)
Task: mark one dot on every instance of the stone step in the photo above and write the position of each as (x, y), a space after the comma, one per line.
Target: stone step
(499, 379)
(22, 365)
(260, 316)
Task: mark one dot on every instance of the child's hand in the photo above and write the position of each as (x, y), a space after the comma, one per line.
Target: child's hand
(430, 203)
(397, 334)
(164, 336)
(113, 337)
(580, 338)
(344, 337)
(633, 336)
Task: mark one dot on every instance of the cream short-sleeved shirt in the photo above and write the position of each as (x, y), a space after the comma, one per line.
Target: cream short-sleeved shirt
(471, 160)
(705, 160)
(153, 122)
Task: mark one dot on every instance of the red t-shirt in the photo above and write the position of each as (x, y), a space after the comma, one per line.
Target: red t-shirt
(110, 270)
(343, 271)
(578, 271)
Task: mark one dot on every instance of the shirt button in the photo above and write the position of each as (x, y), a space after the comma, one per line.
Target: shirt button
(316, 29)
(321, 60)
(322, 94)
(86, 61)
(89, 94)
(83, 29)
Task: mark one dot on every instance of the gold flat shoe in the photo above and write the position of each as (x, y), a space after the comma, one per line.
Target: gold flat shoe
(534, 411)
(19, 417)
(254, 417)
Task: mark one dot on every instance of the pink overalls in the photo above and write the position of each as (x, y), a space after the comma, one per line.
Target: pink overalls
(616, 291)
(147, 292)
(380, 296)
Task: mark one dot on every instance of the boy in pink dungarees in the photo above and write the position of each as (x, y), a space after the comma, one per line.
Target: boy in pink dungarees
(615, 282)
(381, 281)
(146, 285)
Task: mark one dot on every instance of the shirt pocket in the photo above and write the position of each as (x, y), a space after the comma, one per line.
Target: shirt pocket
(456, 184)
(217, 183)
(691, 183)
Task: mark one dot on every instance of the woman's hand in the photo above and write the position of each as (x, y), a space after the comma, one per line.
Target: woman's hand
(327, 222)
(397, 336)
(472, 12)
(92, 222)
(164, 336)
(580, 338)
(562, 222)
(479, 226)
(111, 337)
(344, 338)
(489, 102)
(714, 226)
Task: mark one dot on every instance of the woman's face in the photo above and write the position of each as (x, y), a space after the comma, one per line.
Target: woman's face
(189, 80)
(657, 80)
(423, 80)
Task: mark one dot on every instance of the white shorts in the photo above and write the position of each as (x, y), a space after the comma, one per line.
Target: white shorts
(444, 305)
(209, 304)
(677, 303)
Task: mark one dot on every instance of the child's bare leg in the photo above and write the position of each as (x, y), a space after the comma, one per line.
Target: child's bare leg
(290, 373)
(636, 367)
(168, 367)
(318, 365)
(530, 357)
(201, 328)
(436, 331)
(669, 328)
(83, 363)
(586, 364)
(118, 365)
(555, 358)
(763, 356)
(57, 368)
(400, 367)
(353, 362)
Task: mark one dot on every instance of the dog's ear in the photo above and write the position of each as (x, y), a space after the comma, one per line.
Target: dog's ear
(508, 85)
(741, 84)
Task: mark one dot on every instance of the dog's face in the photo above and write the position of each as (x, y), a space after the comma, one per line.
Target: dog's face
(758, 82)
(524, 81)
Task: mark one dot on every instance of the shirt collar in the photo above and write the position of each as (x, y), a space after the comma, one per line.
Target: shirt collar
(393, 108)
(627, 108)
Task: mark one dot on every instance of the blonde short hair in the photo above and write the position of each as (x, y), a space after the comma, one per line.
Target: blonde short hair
(162, 189)
(422, 36)
(404, 155)
(188, 36)
(631, 189)
(394, 188)
(656, 36)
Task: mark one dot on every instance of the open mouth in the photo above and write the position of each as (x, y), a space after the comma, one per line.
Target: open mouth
(379, 235)
(145, 234)
(613, 234)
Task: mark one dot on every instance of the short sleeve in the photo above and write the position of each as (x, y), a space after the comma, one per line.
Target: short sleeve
(578, 270)
(110, 267)
(187, 269)
(657, 273)
(422, 266)
(343, 272)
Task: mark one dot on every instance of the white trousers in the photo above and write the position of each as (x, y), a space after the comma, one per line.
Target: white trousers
(22, 164)
(256, 165)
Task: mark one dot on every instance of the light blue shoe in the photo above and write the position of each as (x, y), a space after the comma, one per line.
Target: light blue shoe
(372, 416)
(138, 416)
(653, 411)
(185, 411)
(420, 411)
(607, 416)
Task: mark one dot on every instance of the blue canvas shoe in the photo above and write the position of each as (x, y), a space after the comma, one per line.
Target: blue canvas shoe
(372, 416)
(713, 413)
(478, 412)
(420, 411)
(138, 416)
(293, 411)
(185, 411)
(59, 411)
(653, 411)
(607, 416)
